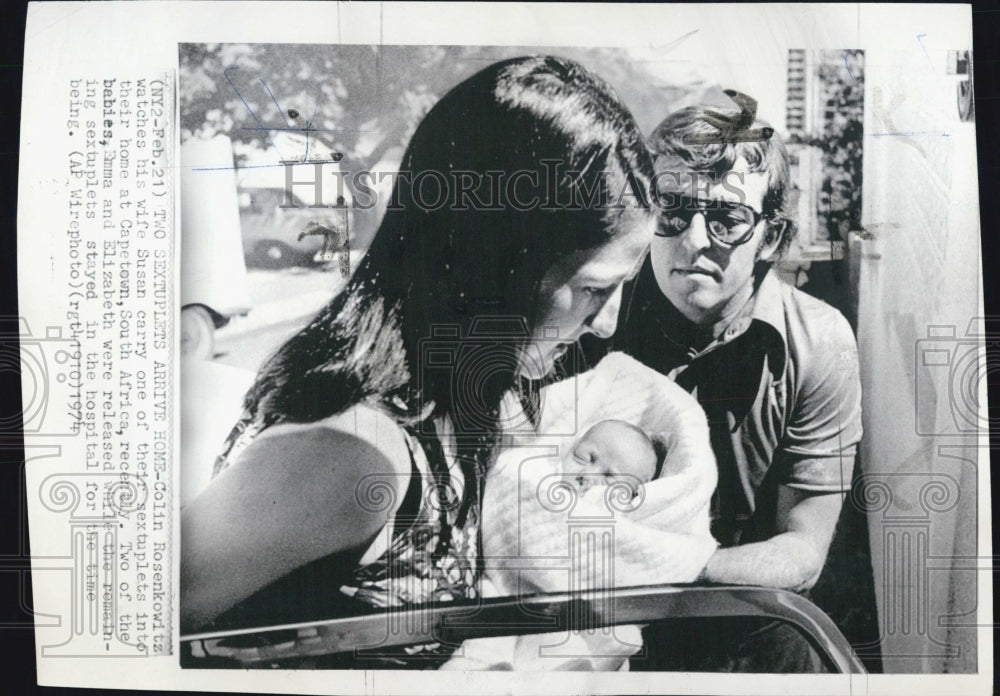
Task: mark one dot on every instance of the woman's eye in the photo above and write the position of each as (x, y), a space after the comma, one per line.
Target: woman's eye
(595, 291)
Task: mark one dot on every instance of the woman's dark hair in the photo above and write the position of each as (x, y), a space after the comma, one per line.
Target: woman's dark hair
(442, 280)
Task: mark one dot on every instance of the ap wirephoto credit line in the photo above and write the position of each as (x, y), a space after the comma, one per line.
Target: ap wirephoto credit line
(642, 354)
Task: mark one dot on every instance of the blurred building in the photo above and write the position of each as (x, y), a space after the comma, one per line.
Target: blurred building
(806, 160)
(823, 116)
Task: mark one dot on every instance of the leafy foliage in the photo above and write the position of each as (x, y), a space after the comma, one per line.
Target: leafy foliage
(299, 101)
(360, 101)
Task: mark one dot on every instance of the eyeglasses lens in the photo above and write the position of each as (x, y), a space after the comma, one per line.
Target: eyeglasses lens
(729, 224)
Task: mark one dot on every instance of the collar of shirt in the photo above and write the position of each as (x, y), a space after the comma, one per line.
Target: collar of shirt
(764, 310)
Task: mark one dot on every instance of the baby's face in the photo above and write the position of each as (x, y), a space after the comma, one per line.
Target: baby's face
(610, 452)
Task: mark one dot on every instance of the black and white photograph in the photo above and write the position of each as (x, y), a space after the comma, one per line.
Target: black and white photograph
(386, 347)
(515, 284)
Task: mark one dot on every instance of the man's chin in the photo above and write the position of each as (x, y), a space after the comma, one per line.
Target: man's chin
(699, 307)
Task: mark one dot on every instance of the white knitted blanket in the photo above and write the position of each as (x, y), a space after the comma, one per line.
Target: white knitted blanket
(540, 535)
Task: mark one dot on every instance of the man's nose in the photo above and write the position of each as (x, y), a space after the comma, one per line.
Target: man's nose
(696, 237)
(605, 321)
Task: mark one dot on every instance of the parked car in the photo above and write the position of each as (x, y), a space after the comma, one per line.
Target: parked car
(277, 235)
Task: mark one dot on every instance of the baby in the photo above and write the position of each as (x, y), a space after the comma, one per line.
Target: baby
(613, 452)
(610, 453)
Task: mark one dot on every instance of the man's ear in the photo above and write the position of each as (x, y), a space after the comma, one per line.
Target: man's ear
(773, 235)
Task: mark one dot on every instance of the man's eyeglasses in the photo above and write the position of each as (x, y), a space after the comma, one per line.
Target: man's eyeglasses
(730, 224)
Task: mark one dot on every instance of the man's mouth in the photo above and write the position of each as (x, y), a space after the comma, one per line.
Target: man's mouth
(698, 271)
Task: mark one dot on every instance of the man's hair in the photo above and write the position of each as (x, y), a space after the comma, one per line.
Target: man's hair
(674, 136)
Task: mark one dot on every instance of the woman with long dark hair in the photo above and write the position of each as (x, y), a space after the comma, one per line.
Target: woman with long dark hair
(366, 438)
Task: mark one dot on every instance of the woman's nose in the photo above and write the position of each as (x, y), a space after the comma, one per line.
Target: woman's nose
(605, 321)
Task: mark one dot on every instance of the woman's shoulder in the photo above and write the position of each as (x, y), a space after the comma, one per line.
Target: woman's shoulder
(296, 493)
(361, 423)
(345, 449)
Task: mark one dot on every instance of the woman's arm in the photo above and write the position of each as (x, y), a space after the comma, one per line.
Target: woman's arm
(290, 498)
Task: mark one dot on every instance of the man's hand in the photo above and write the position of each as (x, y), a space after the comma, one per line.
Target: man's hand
(793, 558)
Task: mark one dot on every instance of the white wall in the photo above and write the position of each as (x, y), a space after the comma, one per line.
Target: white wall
(918, 297)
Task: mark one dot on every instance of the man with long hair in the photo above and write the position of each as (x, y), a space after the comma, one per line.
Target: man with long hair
(775, 369)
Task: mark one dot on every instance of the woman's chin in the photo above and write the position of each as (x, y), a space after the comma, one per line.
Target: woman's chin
(535, 364)
(534, 370)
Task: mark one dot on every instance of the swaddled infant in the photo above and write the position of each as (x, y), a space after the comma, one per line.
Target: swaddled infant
(613, 452)
(610, 453)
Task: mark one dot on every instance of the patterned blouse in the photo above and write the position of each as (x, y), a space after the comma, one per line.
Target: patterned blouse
(433, 551)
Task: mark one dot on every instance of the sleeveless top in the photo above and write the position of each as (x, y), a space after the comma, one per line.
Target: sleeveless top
(432, 549)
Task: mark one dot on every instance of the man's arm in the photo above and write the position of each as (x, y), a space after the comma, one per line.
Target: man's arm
(794, 557)
(817, 452)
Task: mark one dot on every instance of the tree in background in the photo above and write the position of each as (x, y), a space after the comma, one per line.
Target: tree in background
(348, 103)
(364, 102)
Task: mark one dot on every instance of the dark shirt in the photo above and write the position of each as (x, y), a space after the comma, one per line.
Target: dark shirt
(780, 387)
